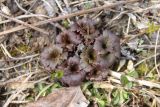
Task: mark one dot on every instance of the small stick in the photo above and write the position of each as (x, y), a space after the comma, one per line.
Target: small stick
(140, 82)
(24, 23)
(69, 16)
(155, 51)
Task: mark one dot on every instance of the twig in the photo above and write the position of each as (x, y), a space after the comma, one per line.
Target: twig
(154, 68)
(20, 58)
(128, 25)
(25, 16)
(42, 79)
(19, 102)
(15, 93)
(20, 64)
(155, 50)
(140, 82)
(145, 59)
(61, 9)
(24, 23)
(59, 6)
(149, 46)
(66, 3)
(152, 95)
(15, 58)
(69, 16)
(20, 7)
(156, 6)
(33, 4)
(116, 17)
(3, 83)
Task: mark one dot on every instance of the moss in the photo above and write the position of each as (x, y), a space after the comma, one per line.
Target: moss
(142, 68)
(24, 48)
(19, 49)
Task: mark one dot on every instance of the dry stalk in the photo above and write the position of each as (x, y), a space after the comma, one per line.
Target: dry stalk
(15, 93)
(24, 23)
(155, 58)
(69, 16)
(140, 82)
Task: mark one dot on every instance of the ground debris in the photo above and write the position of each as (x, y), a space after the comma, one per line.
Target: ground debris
(115, 44)
(64, 97)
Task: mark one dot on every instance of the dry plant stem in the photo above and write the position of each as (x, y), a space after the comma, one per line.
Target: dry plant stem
(63, 12)
(128, 25)
(24, 16)
(97, 15)
(68, 16)
(5, 51)
(33, 4)
(42, 79)
(131, 37)
(116, 17)
(14, 58)
(104, 84)
(154, 68)
(66, 3)
(59, 6)
(152, 94)
(155, 58)
(20, 64)
(24, 23)
(3, 83)
(20, 7)
(73, 3)
(149, 46)
(140, 82)
(22, 58)
(16, 92)
(145, 59)
(156, 6)
(19, 102)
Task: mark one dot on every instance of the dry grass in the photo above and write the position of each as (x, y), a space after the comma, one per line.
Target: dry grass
(26, 32)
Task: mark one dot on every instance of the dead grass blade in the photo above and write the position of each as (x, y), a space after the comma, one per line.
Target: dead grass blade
(68, 16)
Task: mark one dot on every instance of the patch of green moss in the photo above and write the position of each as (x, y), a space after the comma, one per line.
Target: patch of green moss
(24, 48)
(152, 28)
(21, 48)
(142, 68)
